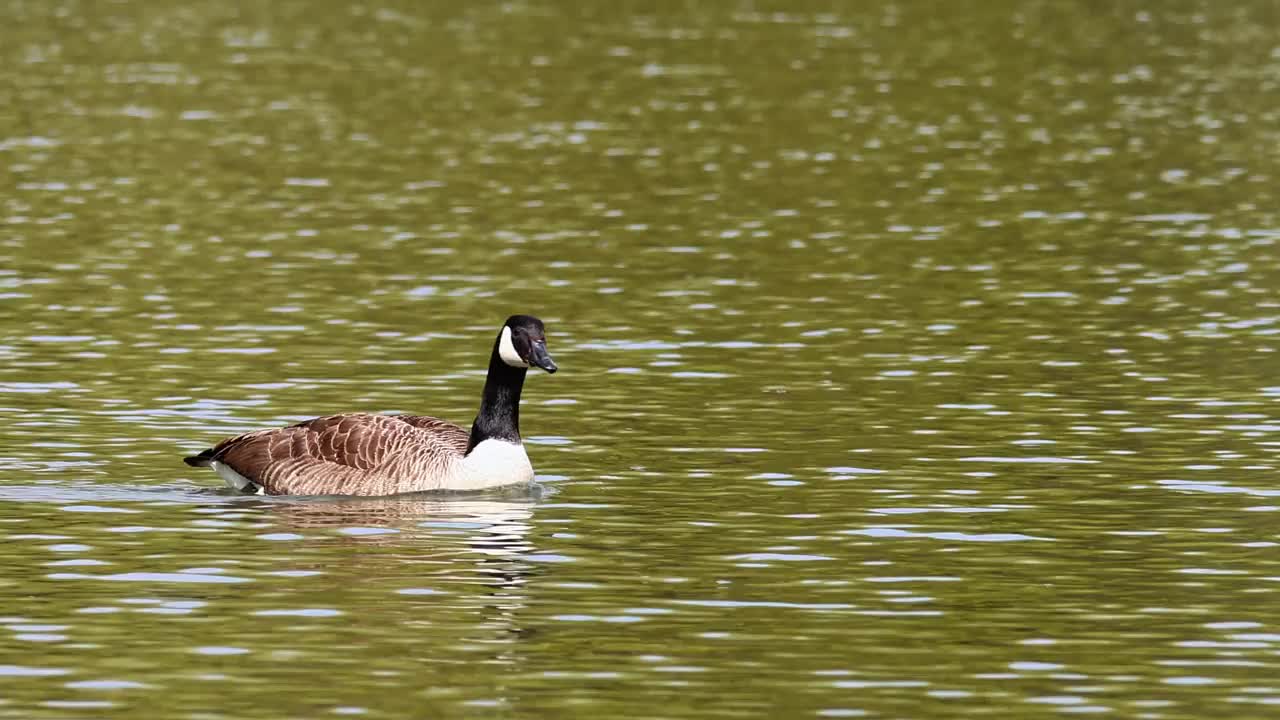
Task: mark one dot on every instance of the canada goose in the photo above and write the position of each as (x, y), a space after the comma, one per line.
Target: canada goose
(365, 454)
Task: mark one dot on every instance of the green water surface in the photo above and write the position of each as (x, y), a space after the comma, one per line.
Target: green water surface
(918, 359)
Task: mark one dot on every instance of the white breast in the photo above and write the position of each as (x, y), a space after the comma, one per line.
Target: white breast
(490, 464)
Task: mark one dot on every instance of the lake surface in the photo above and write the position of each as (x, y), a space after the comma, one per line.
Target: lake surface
(918, 360)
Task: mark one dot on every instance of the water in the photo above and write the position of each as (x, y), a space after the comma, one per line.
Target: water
(917, 361)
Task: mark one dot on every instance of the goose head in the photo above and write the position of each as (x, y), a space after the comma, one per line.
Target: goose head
(523, 343)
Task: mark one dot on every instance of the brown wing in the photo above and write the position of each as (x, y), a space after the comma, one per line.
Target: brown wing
(325, 454)
(443, 431)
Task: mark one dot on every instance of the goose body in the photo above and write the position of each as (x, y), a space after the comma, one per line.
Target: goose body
(367, 454)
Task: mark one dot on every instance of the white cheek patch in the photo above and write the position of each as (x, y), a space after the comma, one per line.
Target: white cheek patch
(507, 350)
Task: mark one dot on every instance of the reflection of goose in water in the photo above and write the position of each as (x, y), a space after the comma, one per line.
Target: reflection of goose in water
(362, 454)
(462, 560)
(491, 525)
(485, 532)
(477, 547)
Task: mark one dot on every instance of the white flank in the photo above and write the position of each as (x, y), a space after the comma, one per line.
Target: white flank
(233, 479)
(507, 351)
(490, 464)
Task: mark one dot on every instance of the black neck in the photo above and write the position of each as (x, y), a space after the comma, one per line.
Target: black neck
(499, 416)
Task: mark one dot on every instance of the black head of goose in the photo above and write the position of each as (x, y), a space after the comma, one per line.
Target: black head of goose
(366, 454)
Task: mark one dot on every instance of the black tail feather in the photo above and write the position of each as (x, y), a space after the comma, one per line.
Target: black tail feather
(204, 459)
